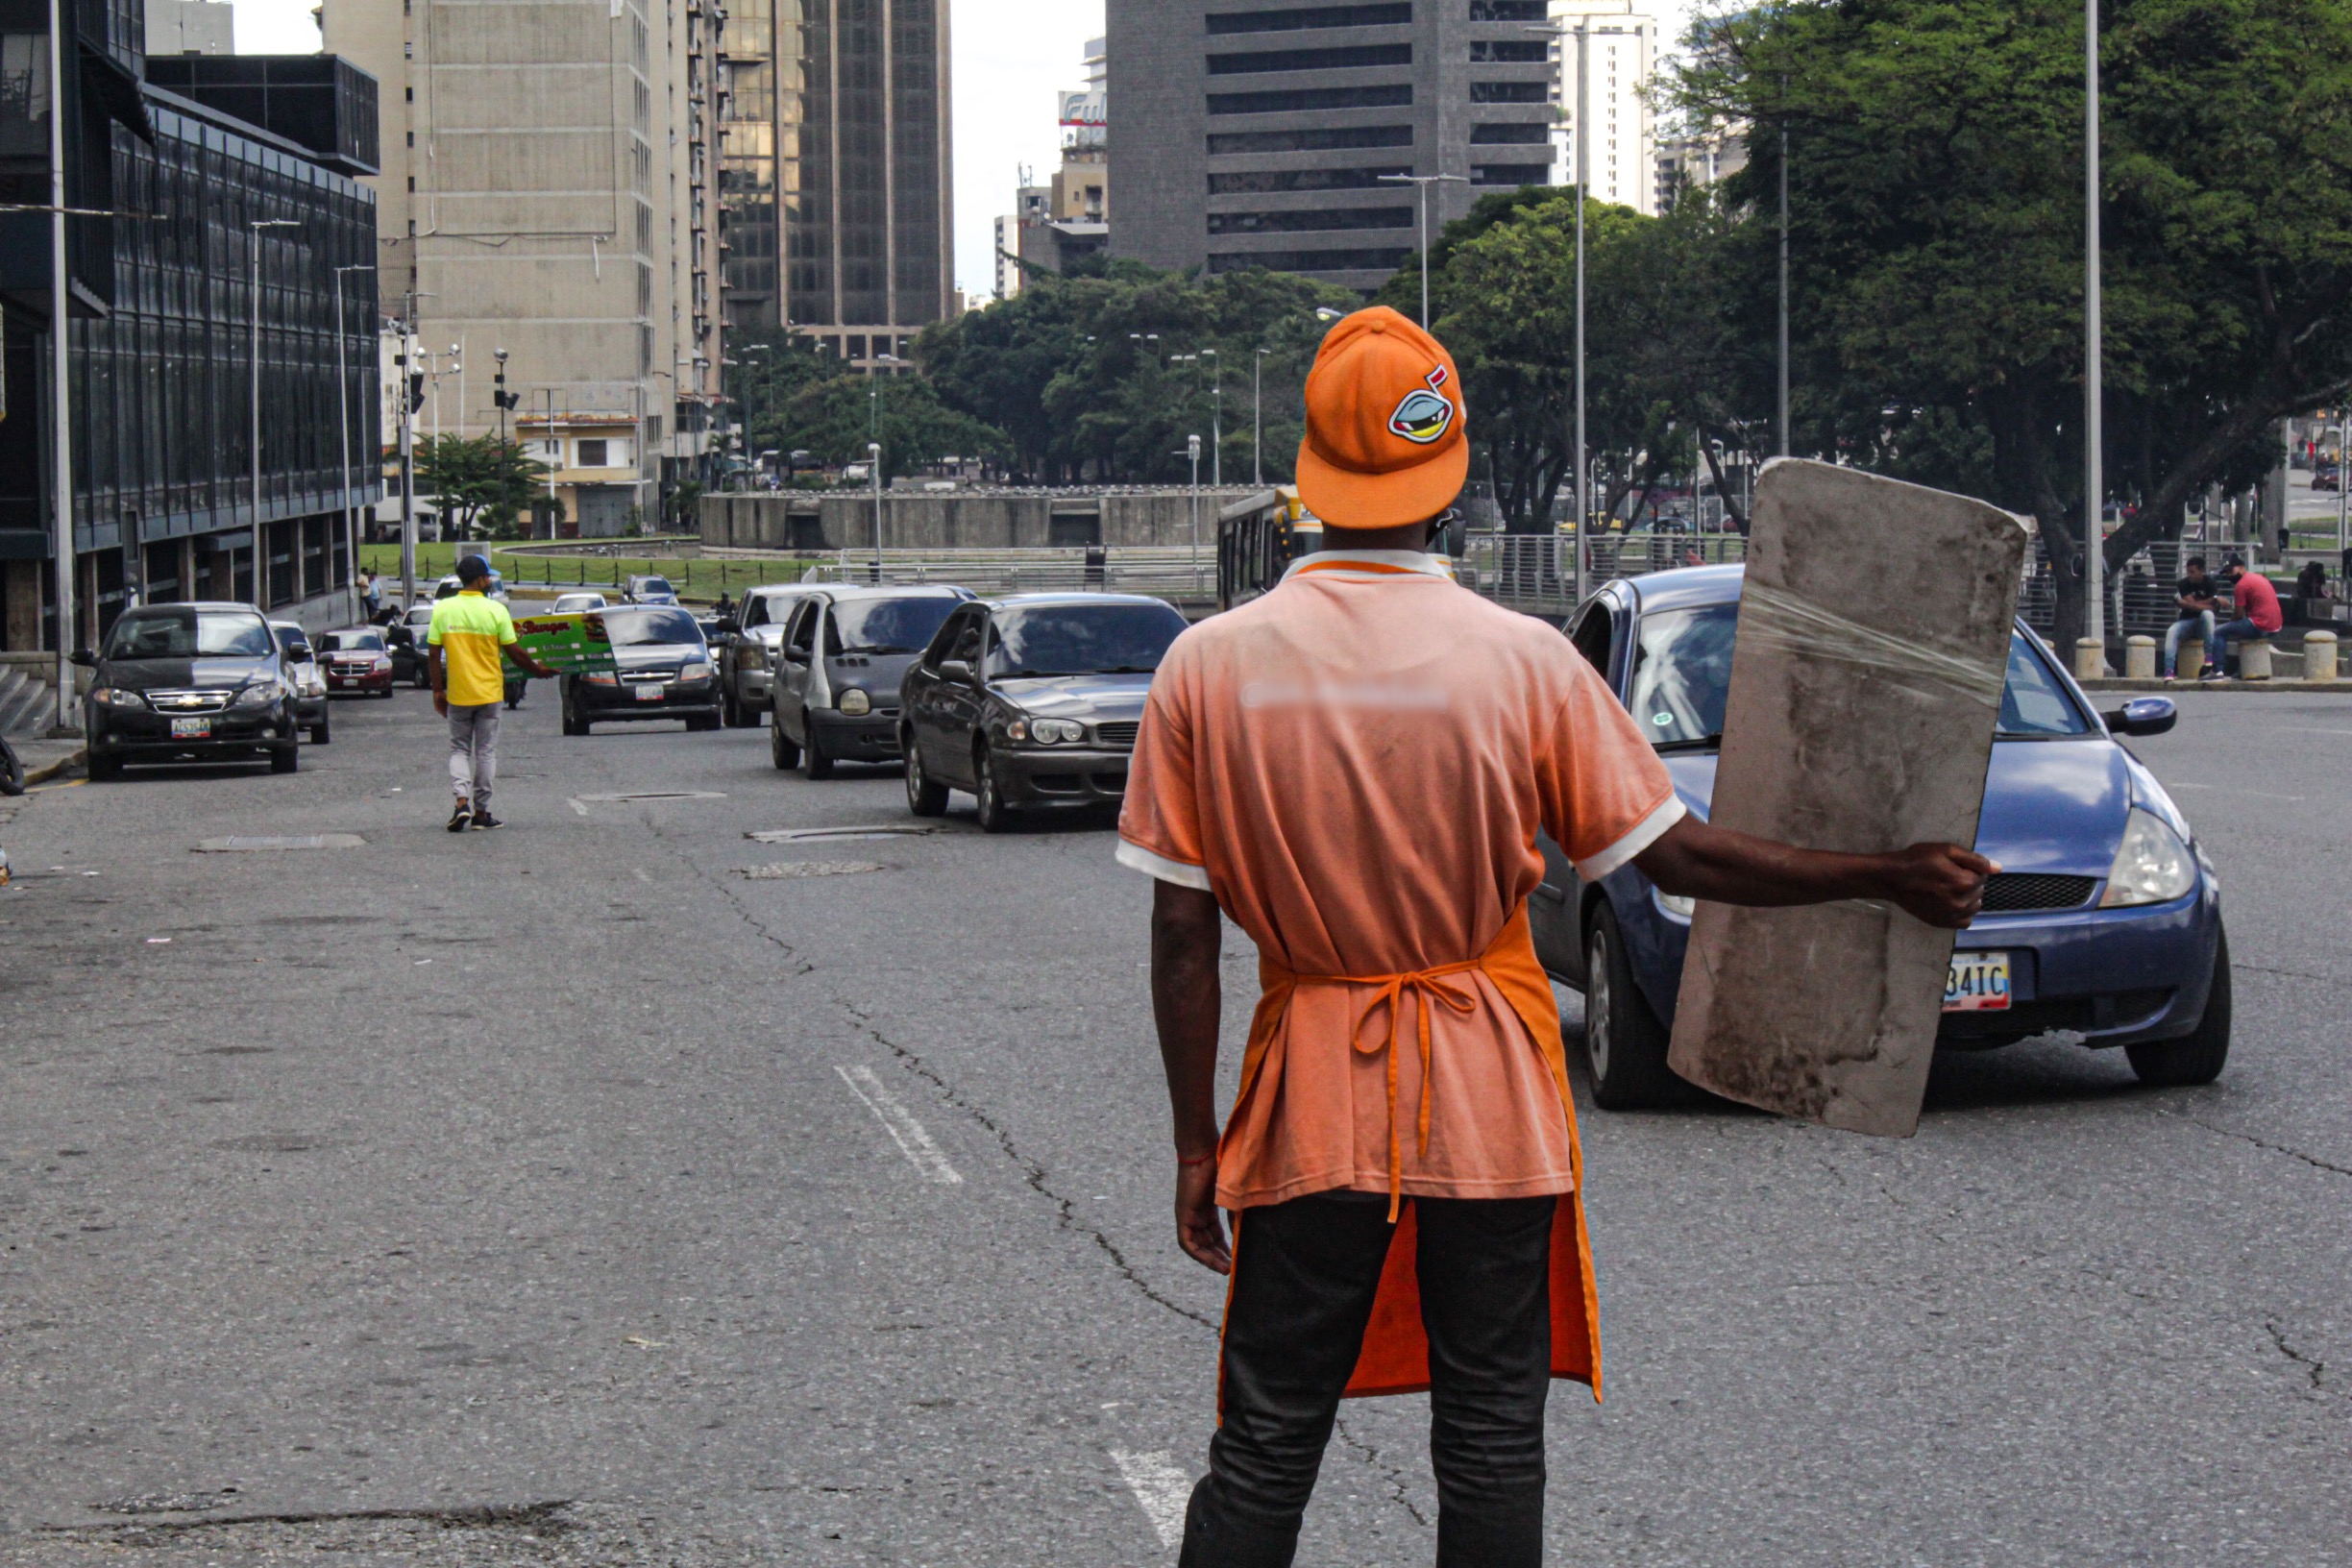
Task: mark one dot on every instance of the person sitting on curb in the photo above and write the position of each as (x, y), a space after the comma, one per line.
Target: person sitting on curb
(2258, 614)
(2196, 593)
(471, 637)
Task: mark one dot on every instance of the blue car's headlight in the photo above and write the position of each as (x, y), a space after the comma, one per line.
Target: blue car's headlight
(2153, 866)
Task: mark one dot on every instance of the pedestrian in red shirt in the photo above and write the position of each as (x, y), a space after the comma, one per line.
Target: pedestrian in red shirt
(2258, 614)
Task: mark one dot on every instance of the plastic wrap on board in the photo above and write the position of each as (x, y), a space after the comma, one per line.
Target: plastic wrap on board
(1865, 683)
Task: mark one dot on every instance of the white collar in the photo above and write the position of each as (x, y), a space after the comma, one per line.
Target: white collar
(1379, 562)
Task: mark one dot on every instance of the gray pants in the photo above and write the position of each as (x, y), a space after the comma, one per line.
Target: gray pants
(474, 751)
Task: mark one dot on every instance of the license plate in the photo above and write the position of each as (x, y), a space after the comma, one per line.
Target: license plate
(191, 729)
(648, 694)
(1977, 983)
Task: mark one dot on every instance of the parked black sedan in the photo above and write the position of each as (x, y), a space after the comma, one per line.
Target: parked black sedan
(835, 693)
(663, 670)
(1032, 701)
(203, 682)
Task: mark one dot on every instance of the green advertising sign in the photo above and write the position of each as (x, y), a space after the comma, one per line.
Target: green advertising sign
(573, 644)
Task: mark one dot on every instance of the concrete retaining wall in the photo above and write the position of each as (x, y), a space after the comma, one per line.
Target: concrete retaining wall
(961, 520)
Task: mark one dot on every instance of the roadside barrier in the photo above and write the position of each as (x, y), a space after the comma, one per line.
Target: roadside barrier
(2254, 660)
(2090, 659)
(2318, 657)
(2140, 657)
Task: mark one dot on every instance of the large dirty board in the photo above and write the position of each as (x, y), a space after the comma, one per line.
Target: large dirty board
(1873, 641)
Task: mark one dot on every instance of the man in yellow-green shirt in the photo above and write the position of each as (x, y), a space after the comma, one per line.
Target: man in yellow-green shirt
(470, 641)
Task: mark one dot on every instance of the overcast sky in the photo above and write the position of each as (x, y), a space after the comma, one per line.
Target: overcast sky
(1011, 58)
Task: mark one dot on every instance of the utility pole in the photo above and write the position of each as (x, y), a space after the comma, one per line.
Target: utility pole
(1256, 422)
(61, 385)
(351, 519)
(1583, 472)
(1216, 419)
(873, 472)
(1423, 181)
(2095, 480)
(411, 398)
(1192, 446)
(1784, 291)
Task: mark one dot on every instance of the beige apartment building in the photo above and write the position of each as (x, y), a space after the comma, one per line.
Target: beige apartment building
(548, 189)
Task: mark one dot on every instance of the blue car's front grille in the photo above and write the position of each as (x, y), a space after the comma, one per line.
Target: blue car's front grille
(2008, 891)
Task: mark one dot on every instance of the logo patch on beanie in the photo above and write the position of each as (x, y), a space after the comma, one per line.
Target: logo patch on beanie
(1422, 418)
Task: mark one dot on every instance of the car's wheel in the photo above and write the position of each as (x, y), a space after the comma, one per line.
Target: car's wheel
(11, 770)
(1625, 1045)
(996, 817)
(925, 796)
(104, 765)
(2197, 1057)
(814, 763)
(731, 710)
(286, 758)
(780, 748)
(322, 732)
(572, 723)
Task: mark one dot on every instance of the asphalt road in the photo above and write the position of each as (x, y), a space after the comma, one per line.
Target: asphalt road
(564, 1195)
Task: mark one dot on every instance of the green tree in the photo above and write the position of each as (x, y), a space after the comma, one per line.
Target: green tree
(479, 481)
(1936, 204)
(833, 420)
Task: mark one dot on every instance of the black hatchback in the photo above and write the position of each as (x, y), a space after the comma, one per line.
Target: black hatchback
(202, 682)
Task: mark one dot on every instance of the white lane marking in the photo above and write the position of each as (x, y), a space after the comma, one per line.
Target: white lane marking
(641, 874)
(1161, 1488)
(575, 805)
(900, 1123)
(2293, 730)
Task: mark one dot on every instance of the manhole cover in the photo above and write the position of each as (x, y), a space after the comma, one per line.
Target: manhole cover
(236, 843)
(810, 835)
(807, 868)
(656, 795)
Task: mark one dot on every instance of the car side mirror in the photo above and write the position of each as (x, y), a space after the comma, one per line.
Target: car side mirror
(2142, 716)
(955, 670)
(83, 657)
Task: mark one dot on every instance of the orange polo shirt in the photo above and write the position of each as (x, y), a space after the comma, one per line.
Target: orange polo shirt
(1356, 765)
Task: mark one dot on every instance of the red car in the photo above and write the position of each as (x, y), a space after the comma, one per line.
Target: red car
(354, 659)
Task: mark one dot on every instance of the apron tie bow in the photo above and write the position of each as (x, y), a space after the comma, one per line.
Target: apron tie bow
(1437, 987)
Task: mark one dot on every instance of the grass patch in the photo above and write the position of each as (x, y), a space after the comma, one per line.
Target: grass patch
(694, 578)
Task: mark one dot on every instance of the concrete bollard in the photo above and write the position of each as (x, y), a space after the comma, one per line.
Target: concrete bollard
(2319, 657)
(2254, 660)
(2139, 658)
(2191, 659)
(2090, 659)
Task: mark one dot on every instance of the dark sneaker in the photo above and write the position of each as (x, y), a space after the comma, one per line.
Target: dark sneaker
(484, 820)
(462, 817)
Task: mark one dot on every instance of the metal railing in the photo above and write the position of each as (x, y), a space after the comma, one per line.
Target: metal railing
(1165, 571)
(1535, 572)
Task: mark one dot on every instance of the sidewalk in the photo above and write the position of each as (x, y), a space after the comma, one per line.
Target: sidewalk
(46, 759)
(2281, 685)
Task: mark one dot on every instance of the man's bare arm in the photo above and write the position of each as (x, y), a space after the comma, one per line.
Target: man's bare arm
(1941, 883)
(1186, 1002)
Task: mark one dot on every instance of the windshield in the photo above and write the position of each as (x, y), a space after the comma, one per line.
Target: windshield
(654, 585)
(1083, 640)
(190, 635)
(1682, 677)
(635, 628)
(349, 642)
(886, 626)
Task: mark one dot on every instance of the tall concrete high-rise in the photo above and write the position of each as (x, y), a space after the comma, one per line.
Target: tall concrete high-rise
(1247, 136)
(547, 190)
(837, 170)
(1620, 52)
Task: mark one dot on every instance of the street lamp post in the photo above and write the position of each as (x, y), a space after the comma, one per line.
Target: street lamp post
(1216, 419)
(260, 562)
(1423, 181)
(350, 520)
(1577, 138)
(1256, 423)
(873, 472)
(2343, 498)
(1192, 446)
(61, 385)
(2095, 480)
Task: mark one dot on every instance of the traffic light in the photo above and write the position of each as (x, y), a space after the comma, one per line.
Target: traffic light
(416, 390)
(509, 400)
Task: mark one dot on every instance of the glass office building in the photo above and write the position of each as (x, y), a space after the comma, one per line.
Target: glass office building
(164, 356)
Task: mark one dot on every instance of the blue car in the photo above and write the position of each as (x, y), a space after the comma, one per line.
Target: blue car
(2104, 921)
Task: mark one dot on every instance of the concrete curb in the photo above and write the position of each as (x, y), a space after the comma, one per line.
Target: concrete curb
(48, 770)
(2278, 684)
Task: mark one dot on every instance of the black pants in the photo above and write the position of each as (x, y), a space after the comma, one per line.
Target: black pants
(1306, 1273)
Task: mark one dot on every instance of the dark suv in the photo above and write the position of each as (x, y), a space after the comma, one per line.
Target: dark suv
(179, 682)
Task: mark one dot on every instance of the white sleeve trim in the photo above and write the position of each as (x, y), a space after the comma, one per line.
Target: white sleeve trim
(1136, 857)
(1646, 832)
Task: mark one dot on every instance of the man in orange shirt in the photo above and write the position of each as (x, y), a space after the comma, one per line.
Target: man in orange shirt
(1354, 768)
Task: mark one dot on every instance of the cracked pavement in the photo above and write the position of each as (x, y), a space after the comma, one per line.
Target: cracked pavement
(498, 1199)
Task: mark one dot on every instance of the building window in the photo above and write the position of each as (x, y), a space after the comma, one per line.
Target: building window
(1295, 19)
(1386, 95)
(1386, 259)
(1496, 52)
(1509, 92)
(1254, 181)
(591, 455)
(1507, 10)
(856, 349)
(1310, 139)
(1359, 56)
(1309, 219)
(1510, 174)
(1501, 136)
